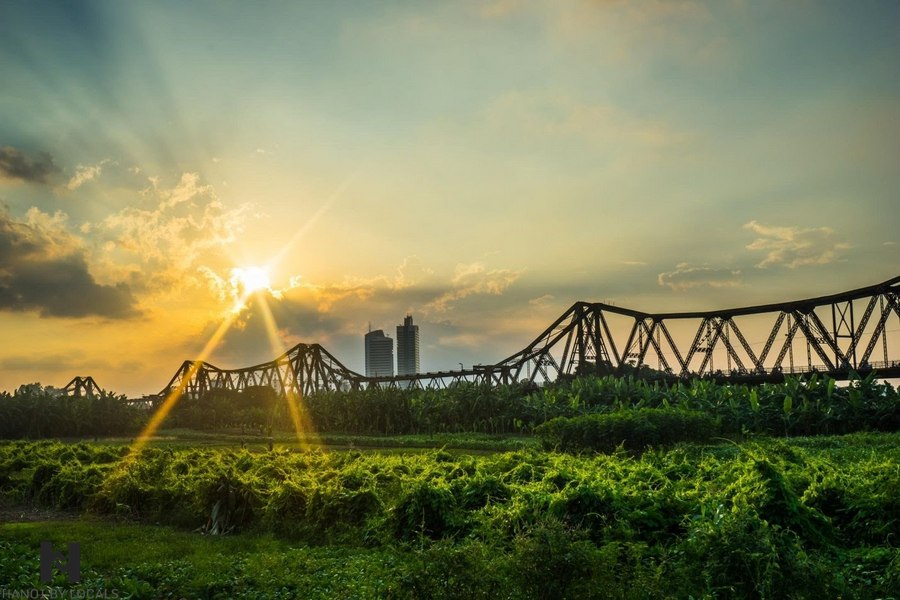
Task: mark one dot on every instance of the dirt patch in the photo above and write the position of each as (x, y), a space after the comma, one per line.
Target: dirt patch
(27, 514)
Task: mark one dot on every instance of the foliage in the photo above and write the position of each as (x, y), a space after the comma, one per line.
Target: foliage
(253, 409)
(764, 518)
(633, 430)
(813, 406)
(33, 411)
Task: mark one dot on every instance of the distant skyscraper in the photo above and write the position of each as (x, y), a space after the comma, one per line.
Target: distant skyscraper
(379, 354)
(407, 347)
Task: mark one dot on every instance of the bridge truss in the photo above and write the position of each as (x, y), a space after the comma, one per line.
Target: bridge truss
(835, 335)
(82, 386)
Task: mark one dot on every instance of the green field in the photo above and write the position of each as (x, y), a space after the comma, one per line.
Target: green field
(454, 442)
(803, 517)
(592, 488)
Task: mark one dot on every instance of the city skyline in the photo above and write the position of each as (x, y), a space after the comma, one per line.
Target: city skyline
(225, 181)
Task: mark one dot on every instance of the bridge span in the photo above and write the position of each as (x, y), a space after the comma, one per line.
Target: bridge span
(837, 335)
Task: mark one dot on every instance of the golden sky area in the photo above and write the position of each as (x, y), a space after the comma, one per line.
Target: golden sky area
(480, 165)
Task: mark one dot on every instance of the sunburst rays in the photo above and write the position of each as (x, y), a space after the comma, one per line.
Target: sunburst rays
(247, 283)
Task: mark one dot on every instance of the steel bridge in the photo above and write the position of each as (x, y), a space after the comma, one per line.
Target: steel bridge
(838, 335)
(82, 386)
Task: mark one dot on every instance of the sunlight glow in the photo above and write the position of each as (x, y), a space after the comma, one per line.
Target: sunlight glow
(245, 281)
(248, 280)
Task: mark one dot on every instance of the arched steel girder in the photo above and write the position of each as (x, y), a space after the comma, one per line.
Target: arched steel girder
(82, 386)
(585, 339)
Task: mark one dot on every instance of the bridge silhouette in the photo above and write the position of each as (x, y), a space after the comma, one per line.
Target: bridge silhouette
(837, 335)
(82, 386)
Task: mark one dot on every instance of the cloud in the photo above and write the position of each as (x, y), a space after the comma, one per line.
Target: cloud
(43, 362)
(43, 268)
(557, 115)
(544, 301)
(16, 165)
(495, 9)
(165, 242)
(472, 279)
(657, 10)
(84, 174)
(462, 340)
(297, 319)
(685, 277)
(410, 274)
(633, 34)
(336, 314)
(793, 247)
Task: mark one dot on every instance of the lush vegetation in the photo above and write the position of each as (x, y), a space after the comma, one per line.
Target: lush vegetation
(33, 412)
(667, 509)
(634, 430)
(796, 407)
(812, 517)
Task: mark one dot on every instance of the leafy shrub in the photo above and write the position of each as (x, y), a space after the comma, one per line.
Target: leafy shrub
(633, 430)
(477, 492)
(43, 474)
(232, 503)
(556, 561)
(285, 511)
(448, 570)
(736, 555)
(426, 510)
(585, 506)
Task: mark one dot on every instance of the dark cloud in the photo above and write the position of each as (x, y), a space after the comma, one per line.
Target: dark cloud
(42, 269)
(477, 315)
(338, 320)
(16, 165)
(49, 362)
(248, 340)
(686, 276)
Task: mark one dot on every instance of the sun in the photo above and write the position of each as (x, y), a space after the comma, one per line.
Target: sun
(249, 280)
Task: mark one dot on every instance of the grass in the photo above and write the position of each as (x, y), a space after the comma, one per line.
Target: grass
(453, 442)
(142, 561)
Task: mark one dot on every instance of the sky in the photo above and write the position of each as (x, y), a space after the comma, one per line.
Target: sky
(478, 165)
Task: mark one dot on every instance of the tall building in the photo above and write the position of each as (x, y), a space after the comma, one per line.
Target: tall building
(407, 347)
(379, 354)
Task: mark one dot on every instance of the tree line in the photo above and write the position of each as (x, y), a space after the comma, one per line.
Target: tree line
(815, 405)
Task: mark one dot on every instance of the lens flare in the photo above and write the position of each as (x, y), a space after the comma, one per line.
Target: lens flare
(245, 281)
(175, 395)
(301, 423)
